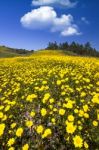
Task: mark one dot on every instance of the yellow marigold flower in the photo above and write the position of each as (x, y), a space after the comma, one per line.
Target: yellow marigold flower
(11, 142)
(80, 127)
(44, 82)
(46, 97)
(76, 111)
(43, 112)
(95, 123)
(11, 148)
(78, 141)
(96, 99)
(31, 97)
(29, 124)
(86, 115)
(71, 118)
(19, 132)
(1, 107)
(51, 100)
(83, 94)
(32, 114)
(70, 128)
(40, 129)
(13, 125)
(1, 115)
(2, 127)
(69, 105)
(58, 82)
(4, 117)
(81, 113)
(63, 93)
(51, 107)
(86, 145)
(47, 133)
(97, 83)
(25, 147)
(54, 109)
(61, 112)
(53, 120)
(85, 107)
(7, 108)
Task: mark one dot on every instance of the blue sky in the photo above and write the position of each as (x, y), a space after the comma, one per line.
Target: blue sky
(31, 24)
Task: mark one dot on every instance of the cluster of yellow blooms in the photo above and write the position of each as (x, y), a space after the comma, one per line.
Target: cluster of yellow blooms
(47, 101)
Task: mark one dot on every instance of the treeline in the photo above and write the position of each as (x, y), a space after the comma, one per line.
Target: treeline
(22, 51)
(80, 49)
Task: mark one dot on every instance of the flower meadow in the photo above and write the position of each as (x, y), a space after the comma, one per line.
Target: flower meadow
(49, 102)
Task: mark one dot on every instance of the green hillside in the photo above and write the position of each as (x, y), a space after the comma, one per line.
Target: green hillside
(54, 52)
(11, 52)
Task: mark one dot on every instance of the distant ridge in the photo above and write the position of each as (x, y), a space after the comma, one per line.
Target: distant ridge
(12, 52)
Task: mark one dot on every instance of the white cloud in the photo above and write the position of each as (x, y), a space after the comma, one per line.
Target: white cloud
(84, 20)
(66, 3)
(46, 17)
(39, 18)
(70, 31)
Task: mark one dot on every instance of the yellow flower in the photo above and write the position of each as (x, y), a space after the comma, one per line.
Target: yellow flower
(95, 123)
(44, 82)
(46, 97)
(70, 118)
(11, 142)
(85, 107)
(29, 124)
(86, 145)
(53, 120)
(4, 117)
(40, 129)
(11, 148)
(2, 127)
(1, 115)
(58, 82)
(19, 132)
(83, 94)
(43, 112)
(80, 127)
(61, 112)
(76, 111)
(1, 107)
(32, 114)
(69, 105)
(13, 125)
(47, 133)
(7, 108)
(86, 115)
(96, 99)
(70, 128)
(51, 100)
(81, 113)
(31, 97)
(78, 141)
(25, 147)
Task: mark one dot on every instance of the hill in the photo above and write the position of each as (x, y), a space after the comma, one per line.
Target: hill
(54, 52)
(12, 52)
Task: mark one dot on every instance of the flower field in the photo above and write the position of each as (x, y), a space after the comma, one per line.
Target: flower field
(49, 102)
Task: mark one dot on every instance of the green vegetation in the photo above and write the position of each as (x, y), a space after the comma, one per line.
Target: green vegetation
(11, 52)
(76, 48)
(73, 49)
